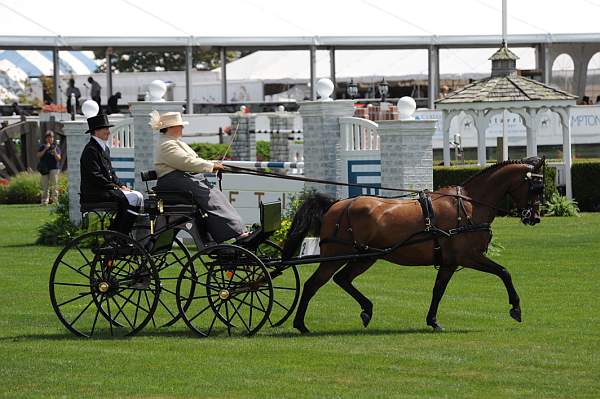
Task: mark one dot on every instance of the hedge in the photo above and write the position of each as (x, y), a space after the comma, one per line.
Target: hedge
(456, 175)
(210, 151)
(585, 177)
(25, 188)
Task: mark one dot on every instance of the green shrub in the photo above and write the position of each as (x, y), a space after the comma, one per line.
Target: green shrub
(211, 151)
(452, 175)
(263, 151)
(59, 230)
(585, 177)
(24, 188)
(558, 205)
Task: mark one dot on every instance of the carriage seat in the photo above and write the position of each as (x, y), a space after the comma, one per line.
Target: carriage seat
(104, 211)
(174, 202)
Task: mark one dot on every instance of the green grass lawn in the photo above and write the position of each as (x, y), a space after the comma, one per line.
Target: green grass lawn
(554, 353)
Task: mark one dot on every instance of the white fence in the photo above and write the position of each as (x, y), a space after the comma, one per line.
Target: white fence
(359, 157)
(122, 155)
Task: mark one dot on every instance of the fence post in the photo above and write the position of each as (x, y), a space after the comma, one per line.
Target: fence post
(244, 146)
(145, 138)
(321, 127)
(76, 138)
(406, 154)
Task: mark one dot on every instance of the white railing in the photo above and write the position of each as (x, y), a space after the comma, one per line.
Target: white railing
(358, 134)
(560, 179)
(122, 133)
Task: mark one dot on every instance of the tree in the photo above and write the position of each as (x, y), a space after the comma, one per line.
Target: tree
(151, 60)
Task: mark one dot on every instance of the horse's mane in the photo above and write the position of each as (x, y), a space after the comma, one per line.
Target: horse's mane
(533, 161)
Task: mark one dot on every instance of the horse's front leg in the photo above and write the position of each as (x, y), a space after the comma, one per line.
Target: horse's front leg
(484, 264)
(441, 282)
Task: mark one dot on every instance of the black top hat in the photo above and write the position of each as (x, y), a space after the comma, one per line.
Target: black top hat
(97, 122)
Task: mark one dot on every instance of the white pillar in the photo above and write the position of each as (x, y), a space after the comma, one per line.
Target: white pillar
(145, 137)
(481, 123)
(406, 154)
(566, 128)
(321, 128)
(446, 121)
(76, 137)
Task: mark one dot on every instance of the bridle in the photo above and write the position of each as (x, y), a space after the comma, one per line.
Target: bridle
(535, 195)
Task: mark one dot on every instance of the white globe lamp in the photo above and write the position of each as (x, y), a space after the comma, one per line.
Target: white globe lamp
(406, 108)
(90, 108)
(157, 89)
(324, 89)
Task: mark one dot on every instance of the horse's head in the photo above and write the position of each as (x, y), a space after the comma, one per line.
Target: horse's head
(527, 191)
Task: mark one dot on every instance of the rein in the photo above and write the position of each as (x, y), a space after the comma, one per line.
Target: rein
(238, 169)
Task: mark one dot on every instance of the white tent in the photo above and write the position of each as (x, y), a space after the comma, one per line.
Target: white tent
(292, 66)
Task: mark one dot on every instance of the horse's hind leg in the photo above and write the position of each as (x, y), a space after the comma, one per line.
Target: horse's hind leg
(441, 282)
(344, 279)
(487, 265)
(311, 286)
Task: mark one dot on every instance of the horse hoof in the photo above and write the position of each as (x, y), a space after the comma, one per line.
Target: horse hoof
(436, 327)
(515, 313)
(302, 328)
(366, 318)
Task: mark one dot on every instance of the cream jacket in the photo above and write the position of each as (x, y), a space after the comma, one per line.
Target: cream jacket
(174, 154)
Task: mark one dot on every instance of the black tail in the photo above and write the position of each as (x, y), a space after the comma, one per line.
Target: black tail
(307, 219)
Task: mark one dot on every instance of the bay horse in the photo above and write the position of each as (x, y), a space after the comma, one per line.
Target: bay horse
(448, 228)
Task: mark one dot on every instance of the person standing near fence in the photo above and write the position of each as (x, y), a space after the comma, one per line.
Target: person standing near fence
(49, 167)
(95, 91)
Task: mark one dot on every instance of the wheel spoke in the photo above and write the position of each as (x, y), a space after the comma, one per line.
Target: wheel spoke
(72, 268)
(80, 313)
(96, 317)
(121, 312)
(72, 284)
(81, 295)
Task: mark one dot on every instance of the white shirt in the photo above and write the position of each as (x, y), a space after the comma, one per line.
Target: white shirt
(101, 142)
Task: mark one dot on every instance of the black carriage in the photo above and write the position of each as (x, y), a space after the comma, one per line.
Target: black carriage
(107, 283)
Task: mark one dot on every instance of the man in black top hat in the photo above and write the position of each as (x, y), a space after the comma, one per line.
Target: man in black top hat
(99, 182)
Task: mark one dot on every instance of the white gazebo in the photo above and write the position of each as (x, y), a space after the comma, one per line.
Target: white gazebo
(505, 91)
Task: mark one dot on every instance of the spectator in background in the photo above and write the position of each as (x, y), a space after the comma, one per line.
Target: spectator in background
(48, 166)
(113, 103)
(72, 90)
(95, 91)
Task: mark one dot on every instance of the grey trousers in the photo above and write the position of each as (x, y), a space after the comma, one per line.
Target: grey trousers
(223, 222)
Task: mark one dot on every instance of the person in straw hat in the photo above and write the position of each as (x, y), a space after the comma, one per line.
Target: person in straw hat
(99, 182)
(180, 169)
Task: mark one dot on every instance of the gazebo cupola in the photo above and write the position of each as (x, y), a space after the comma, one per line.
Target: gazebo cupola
(504, 62)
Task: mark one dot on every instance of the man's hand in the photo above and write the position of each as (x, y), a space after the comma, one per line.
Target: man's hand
(218, 166)
(125, 188)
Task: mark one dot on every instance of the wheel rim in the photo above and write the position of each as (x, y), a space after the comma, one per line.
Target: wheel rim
(286, 284)
(103, 283)
(234, 295)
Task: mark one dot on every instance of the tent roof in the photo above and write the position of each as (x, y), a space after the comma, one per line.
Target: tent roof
(235, 23)
(293, 66)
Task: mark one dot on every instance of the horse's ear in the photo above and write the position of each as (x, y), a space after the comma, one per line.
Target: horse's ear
(541, 162)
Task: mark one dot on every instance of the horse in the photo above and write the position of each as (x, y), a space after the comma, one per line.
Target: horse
(448, 228)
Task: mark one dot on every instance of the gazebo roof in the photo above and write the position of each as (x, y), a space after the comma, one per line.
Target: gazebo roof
(505, 88)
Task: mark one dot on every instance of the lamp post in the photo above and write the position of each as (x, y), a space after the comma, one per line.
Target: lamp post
(384, 88)
(352, 89)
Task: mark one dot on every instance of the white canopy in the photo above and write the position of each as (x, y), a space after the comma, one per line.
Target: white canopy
(271, 22)
(293, 66)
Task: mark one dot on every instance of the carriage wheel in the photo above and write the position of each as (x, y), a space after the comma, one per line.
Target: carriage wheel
(104, 283)
(169, 265)
(286, 284)
(233, 291)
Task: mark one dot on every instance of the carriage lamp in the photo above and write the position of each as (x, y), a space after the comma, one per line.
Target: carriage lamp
(383, 88)
(352, 89)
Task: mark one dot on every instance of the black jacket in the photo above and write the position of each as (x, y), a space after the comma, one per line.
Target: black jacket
(99, 182)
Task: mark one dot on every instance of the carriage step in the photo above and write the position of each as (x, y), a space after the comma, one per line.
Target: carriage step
(123, 249)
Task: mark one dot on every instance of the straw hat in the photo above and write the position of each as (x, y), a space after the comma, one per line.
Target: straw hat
(169, 119)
